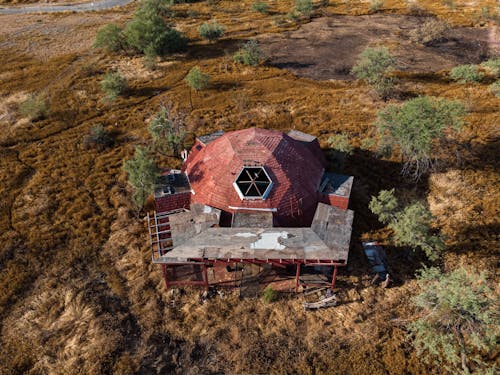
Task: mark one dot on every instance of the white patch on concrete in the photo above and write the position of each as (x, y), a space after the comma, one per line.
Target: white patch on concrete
(270, 241)
(244, 235)
(207, 209)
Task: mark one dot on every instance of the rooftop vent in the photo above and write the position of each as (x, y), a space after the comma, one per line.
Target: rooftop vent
(253, 183)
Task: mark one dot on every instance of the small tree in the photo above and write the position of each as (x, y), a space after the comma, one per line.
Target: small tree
(35, 107)
(373, 66)
(113, 85)
(196, 80)
(249, 54)
(304, 7)
(168, 130)
(142, 175)
(457, 325)
(111, 38)
(211, 31)
(466, 74)
(411, 225)
(148, 32)
(419, 128)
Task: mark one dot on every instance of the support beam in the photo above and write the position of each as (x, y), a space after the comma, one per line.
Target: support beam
(334, 276)
(297, 277)
(205, 276)
(164, 270)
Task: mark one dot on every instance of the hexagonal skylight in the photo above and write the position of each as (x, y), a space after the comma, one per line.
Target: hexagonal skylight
(253, 183)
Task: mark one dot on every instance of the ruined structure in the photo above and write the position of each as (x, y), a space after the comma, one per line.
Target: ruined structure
(252, 196)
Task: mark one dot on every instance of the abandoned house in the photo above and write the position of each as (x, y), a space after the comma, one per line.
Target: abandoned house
(250, 197)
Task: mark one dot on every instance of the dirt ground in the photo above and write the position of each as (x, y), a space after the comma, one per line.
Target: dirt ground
(327, 47)
(78, 292)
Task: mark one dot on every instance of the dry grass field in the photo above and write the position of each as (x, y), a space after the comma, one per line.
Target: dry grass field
(78, 293)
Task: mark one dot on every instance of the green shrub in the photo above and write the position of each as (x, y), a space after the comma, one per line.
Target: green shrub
(261, 7)
(269, 295)
(456, 326)
(376, 5)
(367, 143)
(340, 142)
(419, 128)
(341, 148)
(142, 175)
(113, 85)
(168, 130)
(495, 88)
(304, 7)
(148, 32)
(249, 54)
(430, 31)
(373, 66)
(492, 66)
(466, 74)
(111, 38)
(98, 137)
(197, 80)
(35, 107)
(211, 31)
(411, 225)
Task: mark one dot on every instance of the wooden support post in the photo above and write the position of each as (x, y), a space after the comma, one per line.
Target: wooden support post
(164, 269)
(334, 276)
(205, 276)
(297, 277)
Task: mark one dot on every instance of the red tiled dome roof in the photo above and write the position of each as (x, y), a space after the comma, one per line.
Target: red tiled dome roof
(294, 168)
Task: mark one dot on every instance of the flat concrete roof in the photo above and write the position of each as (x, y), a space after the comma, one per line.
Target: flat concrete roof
(255, 243)
(194, 237)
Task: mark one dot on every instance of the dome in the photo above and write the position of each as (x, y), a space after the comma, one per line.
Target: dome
(258, 170)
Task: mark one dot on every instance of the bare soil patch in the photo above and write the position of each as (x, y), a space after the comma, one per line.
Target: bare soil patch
(327, 47)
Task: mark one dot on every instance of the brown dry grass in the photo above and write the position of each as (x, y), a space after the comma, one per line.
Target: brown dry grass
(78, 293)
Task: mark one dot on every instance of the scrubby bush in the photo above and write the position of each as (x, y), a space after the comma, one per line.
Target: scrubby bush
(466, 74)
(376, 5)
(430, 31)
(457, 323)
(411, 225)
(142, 175)
(495, 88)
(419, 128)
(269, 295)
(113, 85)
(341, 148)
(261, 7)
(492, 66)
(111, 38)
(340, 142)
(249, 54)
(149, 33)
(98, 137)
(373, 66)
(35, 107)
(197, 80)
(168, 130)
(368, 143)
(211, 31)
(304, 7)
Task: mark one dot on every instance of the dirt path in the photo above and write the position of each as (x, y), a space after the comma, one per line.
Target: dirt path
(84, 7)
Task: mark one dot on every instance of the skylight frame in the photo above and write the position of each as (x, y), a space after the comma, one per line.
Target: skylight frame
(243, 196)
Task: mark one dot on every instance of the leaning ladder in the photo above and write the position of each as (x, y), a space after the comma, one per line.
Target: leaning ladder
(160, 234)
